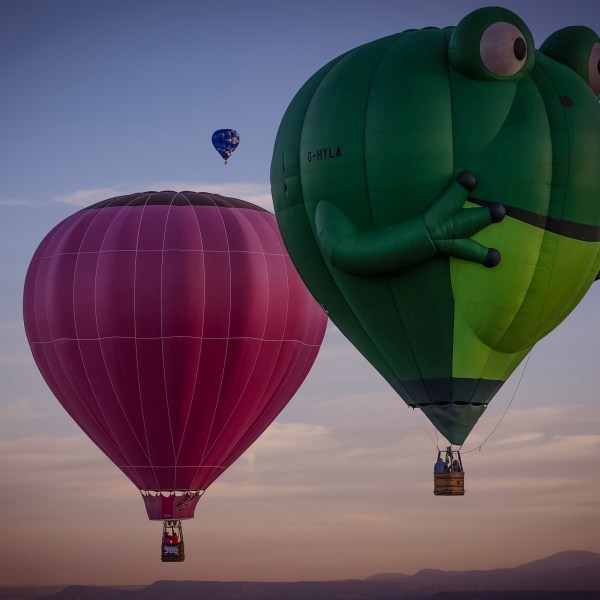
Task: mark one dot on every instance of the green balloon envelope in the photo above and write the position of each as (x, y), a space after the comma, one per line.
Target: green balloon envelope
(404, 169)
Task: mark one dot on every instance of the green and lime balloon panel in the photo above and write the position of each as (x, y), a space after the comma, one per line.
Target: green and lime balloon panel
(438, 191)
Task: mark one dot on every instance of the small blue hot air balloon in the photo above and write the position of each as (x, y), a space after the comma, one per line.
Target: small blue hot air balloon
(225, 142)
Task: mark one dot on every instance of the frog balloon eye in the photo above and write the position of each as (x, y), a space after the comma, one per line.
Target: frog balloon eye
(492, 44)
(577, 47)
(503, 49)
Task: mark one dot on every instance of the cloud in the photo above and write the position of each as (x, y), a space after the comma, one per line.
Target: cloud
(18, 411)
(256, 193)
(519, 438)
(91, 196)
(16, 201)
(360, 482)
(276, 462)
(255, 490)
(289, 437)
(63, 466)
(355, 464)
(49, 454)
(12, 361)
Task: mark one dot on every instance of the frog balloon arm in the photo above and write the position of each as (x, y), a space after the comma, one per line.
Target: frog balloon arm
(445, 228)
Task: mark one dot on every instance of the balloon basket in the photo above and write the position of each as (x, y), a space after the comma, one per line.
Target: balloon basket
(449, 484)
(172, 551)
(448, 475)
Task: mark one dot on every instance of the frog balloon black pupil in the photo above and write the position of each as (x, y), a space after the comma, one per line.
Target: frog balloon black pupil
(520, 48)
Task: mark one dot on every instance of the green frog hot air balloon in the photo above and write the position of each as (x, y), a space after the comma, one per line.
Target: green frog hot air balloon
(439, 192)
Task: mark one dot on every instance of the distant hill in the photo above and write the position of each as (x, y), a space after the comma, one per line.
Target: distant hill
(561, 560)
(571, 570)
(31, 592)
(28, 592)
(571, 595)
(564, 576)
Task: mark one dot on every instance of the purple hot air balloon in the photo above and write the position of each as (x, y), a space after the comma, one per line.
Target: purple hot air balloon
(173, 329)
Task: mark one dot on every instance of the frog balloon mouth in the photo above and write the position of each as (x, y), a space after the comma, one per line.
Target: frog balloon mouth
(564, 227)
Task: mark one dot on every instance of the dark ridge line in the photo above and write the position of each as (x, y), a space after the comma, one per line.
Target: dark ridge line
(172, 198)
(570, 229)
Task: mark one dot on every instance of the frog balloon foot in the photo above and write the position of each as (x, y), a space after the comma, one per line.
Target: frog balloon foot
(450, 226)
(467, 179)
(492, 259)
(497, 212)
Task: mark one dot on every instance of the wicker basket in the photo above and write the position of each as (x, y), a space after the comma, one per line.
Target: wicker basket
(449, 484)
(173, 552)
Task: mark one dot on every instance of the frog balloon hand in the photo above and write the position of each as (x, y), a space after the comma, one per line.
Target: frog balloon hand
(445, 228)
(450, 226)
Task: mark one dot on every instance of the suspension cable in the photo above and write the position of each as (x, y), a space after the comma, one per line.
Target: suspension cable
(435, 440)
(505, 410)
